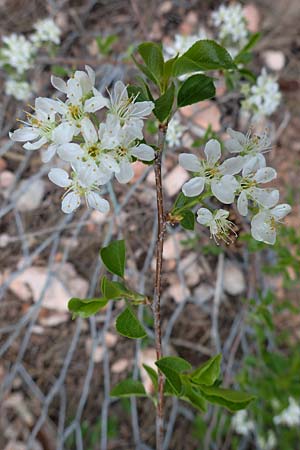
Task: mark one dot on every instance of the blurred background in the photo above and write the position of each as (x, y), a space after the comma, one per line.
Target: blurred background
(241, 299)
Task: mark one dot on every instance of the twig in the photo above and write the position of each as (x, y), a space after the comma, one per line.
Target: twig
(157, 290)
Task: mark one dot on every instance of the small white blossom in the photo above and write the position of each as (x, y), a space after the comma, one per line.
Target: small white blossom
(83, 183)
(263, 98)
(289, 416)
(263, 224)
(175, 132)
(21, 90)
(18, 52)
(182, 43)
(209, 172)
(268, 443)
(219, 225)
(46, 31)
(241, 424)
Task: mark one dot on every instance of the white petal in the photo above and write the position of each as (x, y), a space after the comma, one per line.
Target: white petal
(280, 211)
(59, 177)
(91, 74)
(49, 106)
(74, 91)
(48, 154)
(70, 152)
(103, 176)
(253, 163)
(143, 152)
(189, 162)
(224, 189)
(109, 163)
(88, 130)
(70, 202)
(221, 214)
(261, 229)
(204, 216)
(84, 81)
(24, 134)
(95, 201)
(233, 146)
(95, 103)
(237, 135)
(232, 166)
(265, 175)
(212, 151)
(265, 197)
(126, 172)
(63, 133)
(242, 204)
(120, 92)
(142, 109)
(193, 187)
(59, 84)
(35, 145)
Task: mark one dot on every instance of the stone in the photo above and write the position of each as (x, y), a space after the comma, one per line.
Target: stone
(32, 197)
(172, 246)
(209, 114)
(178, 292)
(7, 179)
(233, 279)
(252, 17)
(274, 59)
(203, 293)
(174, 180)
(147, 356)
(120, 365)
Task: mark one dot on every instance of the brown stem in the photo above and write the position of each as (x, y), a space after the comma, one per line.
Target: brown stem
(157, 289)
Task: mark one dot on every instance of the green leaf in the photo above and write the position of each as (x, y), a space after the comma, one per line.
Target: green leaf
(232, 400)
(113, 257)
(191, 395)
(254, 38)
(138, 93)
(168, 70)
(145, 70)
(86, 307)
(128, 325)
(129, 387)
(196, 88)
(153, 58)
(188, 220)
(152, 374)
(203, 55)
(209, 372)
(115, 290)
(163, 105)
(171, 367)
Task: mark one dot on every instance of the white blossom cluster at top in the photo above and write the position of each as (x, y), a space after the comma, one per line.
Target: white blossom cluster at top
(18, 54)
(95, 152)
(237, 178)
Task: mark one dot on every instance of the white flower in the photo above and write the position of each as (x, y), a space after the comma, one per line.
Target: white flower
(42, 128)
(263, 224)
(175, 132)
(21, 90)
(289, 416)
(266, 198)
(182, 43)
(263, 98)
(129, 113)
(83, 183)
(250, 147)
(241, 424)
(232, 25)
(268, 443)
(17, 52)
(218, 176)
(219, 225)
(46, 31)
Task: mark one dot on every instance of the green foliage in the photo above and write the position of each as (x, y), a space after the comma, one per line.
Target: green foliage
(152, 374)
(113, 257)
(171, 367)
(127, 388)
(203, 55)
(196, 88)
(209, 372)
(232, 400)
(188, 220)
(59, 71)
(138, 93)
(105, 44)
(244, 56)
(86, 307)
(163, 105)
(152, 56)
(129, 326)
(114, 290)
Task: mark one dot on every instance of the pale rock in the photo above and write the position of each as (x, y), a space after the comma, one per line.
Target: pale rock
(190, 22)
(38, 329)
(172, 246)
(54, 319)
(32, 197)
(178, 292)
(98, 351)
(189, 110)
(147, 356)
(233, 279)
(203, 293)
(187, 140)
(209, 114)
(17, 403)
(252, 17)
(138, 168)
(175, 179)
(4, 240)
(274, 59)
(151, 176)
(120, 365)
(3, 164)
(110, 339)
(165, 7)
(191, 269)
(7, 179)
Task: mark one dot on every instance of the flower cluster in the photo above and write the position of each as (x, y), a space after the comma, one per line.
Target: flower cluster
(95, 152)
(175, 132)
(237, 178)
(241, 424)
(182, 43)
(289, 416)
(18, 55)
(263, 98)
(232, 27)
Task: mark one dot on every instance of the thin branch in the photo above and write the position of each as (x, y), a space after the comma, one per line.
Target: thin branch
(157, 289)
